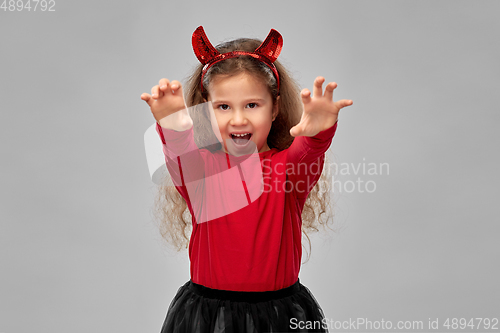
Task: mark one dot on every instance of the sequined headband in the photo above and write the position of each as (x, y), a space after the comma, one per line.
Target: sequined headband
(267, 52)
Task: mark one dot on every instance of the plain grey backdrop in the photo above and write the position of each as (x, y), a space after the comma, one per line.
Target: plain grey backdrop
(80, 251)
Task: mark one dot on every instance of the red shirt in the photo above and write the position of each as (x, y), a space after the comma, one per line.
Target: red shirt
(257, 247)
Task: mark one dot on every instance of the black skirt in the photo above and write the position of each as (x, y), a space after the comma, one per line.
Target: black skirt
(198, 309)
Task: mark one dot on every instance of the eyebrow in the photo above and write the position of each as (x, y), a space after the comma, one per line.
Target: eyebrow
(247, 100)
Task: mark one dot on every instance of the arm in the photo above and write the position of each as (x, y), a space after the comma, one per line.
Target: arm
(305, 160)
(183, 158)
(314, 134)
(174, 125)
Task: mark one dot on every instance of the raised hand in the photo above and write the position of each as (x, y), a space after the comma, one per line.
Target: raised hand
(165, 99)
(320, 111)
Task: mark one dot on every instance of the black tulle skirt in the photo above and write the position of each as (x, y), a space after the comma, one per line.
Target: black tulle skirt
(198, 309)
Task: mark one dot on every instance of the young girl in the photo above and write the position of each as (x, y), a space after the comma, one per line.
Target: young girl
(245, 245)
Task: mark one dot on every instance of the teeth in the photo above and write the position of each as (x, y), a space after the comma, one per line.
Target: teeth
(240, 134)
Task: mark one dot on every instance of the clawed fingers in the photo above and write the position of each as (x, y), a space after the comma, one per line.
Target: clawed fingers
(147, 98)
(318, 86)
(306, 95)
(176, 86)
(155, 92)
(165, 87)
(343, 103)
(164, 83)
(318, 94)
(330, 87)
(166, 98)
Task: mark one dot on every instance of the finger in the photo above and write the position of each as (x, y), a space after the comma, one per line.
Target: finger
(306, 95)
(155, 92)
(176, 87)
(147, 98)
(164, 83)
(318, 86)
(330, 87)
(343, 103)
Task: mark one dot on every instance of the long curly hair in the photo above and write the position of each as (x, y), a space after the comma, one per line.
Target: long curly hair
(171, 210)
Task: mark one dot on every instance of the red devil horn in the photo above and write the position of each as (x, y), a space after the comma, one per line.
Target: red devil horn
(202, 47)
(271, 46)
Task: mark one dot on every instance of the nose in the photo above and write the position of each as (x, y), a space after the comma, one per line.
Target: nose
(238, 117)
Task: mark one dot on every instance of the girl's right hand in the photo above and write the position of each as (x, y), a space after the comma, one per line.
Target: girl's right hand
(165, 99)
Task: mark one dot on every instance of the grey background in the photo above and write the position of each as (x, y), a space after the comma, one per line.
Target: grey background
(79, 249)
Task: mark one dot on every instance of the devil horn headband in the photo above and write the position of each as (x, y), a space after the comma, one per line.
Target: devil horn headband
(267, 52)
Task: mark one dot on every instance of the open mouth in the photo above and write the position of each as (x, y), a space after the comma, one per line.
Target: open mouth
(241, 139)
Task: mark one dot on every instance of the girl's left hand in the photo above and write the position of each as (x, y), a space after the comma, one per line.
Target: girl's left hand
(320, 111)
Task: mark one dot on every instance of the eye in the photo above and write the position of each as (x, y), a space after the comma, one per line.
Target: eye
(222, 107)
(255, 105)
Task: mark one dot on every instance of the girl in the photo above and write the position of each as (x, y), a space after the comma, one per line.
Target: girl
(245, 245)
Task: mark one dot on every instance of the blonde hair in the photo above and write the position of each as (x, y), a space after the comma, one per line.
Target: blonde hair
(171, 210)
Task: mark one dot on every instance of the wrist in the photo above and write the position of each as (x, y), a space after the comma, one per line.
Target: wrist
(178, 121)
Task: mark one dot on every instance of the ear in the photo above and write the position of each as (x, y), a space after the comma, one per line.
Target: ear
(276, 108)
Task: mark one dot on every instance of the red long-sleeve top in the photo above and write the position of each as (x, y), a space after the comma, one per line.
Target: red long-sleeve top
(257, 247)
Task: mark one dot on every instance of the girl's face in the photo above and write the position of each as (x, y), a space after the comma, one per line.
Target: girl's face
(242, 104)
